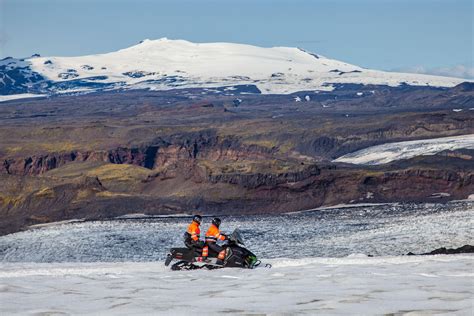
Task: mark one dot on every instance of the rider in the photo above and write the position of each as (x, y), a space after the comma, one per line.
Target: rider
(191, 237)
(212, 236)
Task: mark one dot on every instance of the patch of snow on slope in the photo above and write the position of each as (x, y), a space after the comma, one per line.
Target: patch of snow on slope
(10, 97)
(385, 153)
(353, 285)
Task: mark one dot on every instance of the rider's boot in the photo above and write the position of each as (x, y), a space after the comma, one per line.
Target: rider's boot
(205, 253)
(168, 259)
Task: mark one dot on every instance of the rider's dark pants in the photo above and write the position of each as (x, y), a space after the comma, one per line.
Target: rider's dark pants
(214, 247)
(194, 244)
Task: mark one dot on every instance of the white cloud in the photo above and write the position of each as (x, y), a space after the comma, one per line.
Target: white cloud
(459, 71)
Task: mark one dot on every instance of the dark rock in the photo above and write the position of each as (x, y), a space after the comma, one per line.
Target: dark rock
(255, 180)
(237, 102)
(340, 72)
(464, 87)
(70, 73)
(93, 183)
(18, 79)
(138, 74)
(446, 251)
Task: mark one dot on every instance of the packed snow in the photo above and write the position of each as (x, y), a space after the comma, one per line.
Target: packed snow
(169, 64)
(356, 285)
(386, 153)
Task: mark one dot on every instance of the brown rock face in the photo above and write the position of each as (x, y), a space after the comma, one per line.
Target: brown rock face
(253, 181)
(162, 153)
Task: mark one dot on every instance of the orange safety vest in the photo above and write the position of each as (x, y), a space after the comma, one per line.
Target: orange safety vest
(213, 234)
(194, 231)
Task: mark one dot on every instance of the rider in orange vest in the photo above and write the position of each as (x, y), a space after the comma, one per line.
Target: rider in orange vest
(192, 235)
(213, 234)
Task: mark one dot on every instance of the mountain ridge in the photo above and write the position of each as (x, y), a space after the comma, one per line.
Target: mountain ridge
(166, 64)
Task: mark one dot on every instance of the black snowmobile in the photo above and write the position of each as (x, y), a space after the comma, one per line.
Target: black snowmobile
(236, 256)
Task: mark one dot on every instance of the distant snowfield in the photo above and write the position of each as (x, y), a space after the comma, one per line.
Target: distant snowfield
(385, 153)
(9, 97)
(165, 64)
(354, 285)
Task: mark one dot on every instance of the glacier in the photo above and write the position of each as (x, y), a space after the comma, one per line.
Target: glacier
(385, 153)
(379, 230)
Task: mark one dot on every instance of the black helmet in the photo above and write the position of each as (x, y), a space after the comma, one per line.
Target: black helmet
(216, 221)
(197, 218)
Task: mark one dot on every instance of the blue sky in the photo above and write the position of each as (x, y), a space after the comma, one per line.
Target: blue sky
(429, 36)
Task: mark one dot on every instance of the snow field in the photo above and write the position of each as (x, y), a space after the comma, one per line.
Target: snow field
(9, 97)
(355, 285)
(330, 275)
(385, 153)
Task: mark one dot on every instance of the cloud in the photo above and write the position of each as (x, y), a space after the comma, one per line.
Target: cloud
(460, 71)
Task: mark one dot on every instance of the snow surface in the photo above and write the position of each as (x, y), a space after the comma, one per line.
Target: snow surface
(380, 230)
(9, 97)
(380, 154)
(169, 64)
(355, 285)
(339, 206)
(328, 272)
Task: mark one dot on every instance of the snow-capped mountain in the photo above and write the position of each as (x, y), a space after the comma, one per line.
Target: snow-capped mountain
(170, 64)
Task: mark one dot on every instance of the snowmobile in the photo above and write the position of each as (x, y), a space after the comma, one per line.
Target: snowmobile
(236, 256)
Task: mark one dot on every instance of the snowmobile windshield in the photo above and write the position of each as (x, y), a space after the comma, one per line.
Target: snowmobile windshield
(237, 237)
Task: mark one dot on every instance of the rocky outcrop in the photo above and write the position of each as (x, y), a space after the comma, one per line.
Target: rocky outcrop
(39, 164)
(447, 251)
(49, 203)
(465, 178)
(252, 181)
(160, 153)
